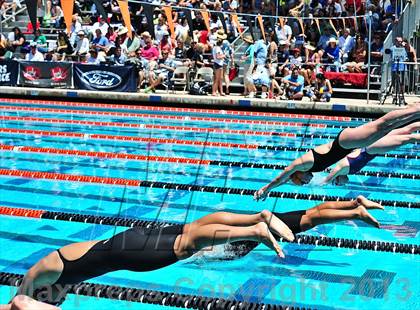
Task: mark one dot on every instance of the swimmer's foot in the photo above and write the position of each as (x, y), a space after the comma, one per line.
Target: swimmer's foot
(268, 239)
(277, 226)
(365, 216)
(368, 204)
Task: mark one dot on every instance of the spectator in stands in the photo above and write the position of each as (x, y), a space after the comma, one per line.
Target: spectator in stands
(283, 58)
(218, 61)
(346, 43)
(182, 29)
(272, 48)
(228, 60)
(376, 54)
(260, 50)
(260, 78)
(149, 55)
(129, 46)
(358, 56)
(284, 32)
(324, 38)
(248, 63)
(180, 53)
(76, 26)
(10, 4)
(34, 54)
(46, 19)
(17, 40)
(322, 90)
(331, 55)
(100, 24)
(295, 83)
(296, 59)
(195, 53)
(311, 64)
(118, 58)
(166, 43)
(63, 45)
(165, 68)
(412, 67)
(82, 44)
(57, 14)
(99, 42)
(41, 41)
(212, 37)
(160, 29)
(94, 58)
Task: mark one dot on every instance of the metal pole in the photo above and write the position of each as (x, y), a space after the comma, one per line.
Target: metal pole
(369, 48)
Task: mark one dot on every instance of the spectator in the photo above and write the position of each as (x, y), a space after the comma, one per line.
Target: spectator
(260, 78)
(46, 19)
(195, 53)
(100, 24)
(218, 61)
(63, 45)
(228, 60)
(57, 15)
(76, 26)
(331, 55)
(295, 59)
(118, 58)
(376, 54)
(346, 43)
(272, 48)
(94, 58)
(160, 29)
(358, 56)
(295, 83)
(398, 67)
(82, 44)
(180, 53)
(165, 68)
(99, 42)
(34, 54)
(149, 55)
(260, 51)
(283, 57)
(322, 90)
(166, 43)
(17, 40)
(7, 4)
(284, 32)
(129, 46)
(41, 41)
(312, 61)
(248, 60)
(182, 29)
(412, 67)
(324, 38)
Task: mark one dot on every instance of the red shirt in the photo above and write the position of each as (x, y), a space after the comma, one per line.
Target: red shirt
(150, 53)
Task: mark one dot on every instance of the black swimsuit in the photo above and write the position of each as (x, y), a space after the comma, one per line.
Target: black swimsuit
(136, 249)
(336, 153)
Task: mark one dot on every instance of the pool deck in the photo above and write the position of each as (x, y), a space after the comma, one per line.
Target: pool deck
(338, 105)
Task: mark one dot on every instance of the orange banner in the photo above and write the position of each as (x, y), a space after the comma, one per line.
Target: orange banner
(237, 24)
(126, 16)
(67, 7)
(260, 22)
(206, 19)
(168, 13)
(333, 27)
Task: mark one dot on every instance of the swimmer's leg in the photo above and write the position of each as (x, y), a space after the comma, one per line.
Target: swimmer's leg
(325, 216)
(391, 142)
(203, 236)
(369, 133)
(235, 219)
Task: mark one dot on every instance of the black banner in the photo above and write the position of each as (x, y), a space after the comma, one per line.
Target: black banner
(8, 72)
(101, 77)
(45, 74)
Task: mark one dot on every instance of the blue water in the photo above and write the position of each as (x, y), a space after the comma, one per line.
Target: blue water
(318, 277)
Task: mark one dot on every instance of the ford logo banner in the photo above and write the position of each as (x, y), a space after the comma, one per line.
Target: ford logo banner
(101, 79)
(105, 78)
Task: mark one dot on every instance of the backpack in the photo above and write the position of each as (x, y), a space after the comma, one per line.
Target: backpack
(199, 88)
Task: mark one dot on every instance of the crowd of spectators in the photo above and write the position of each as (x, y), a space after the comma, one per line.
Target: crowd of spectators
(286, 62)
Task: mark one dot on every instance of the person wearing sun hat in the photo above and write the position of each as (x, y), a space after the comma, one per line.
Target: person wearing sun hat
(34, 54)
(228, 60)
(128, 46)
(82, 44)
(218, 62)
(331, 55)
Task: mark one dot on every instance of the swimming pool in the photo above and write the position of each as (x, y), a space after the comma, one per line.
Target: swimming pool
(72, 163)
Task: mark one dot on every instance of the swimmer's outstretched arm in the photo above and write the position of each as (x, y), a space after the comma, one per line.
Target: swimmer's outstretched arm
(342, 168)
(22, 302)
(300, 164)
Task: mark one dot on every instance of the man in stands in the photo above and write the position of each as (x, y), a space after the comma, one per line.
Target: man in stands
(34, 54)
(295, 83)
(165, 68)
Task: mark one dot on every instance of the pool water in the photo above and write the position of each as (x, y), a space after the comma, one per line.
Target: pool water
(319, 277)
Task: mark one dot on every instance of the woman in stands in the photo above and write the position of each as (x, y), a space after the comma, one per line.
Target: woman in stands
(321, 157)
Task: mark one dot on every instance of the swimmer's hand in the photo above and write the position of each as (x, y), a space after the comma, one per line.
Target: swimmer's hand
(261, 193)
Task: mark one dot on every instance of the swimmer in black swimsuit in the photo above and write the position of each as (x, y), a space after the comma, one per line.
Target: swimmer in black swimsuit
(138, 249)
(349, 139)
(355, 161)
(327, 212)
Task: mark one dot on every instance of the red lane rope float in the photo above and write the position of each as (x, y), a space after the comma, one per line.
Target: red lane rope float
(21, 212)
(68, 177)
(173, 109)
(156, 116)
(109, 155)
(145, 126)
(128, 138)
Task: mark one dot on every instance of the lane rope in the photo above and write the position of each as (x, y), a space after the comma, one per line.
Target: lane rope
(185, 187)
(178, 110)
(175, 141)
(372, 245)
(186, 301)
(182, 160)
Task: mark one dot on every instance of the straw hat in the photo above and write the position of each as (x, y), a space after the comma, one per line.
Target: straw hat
(248, 39)
(221, 35)
(309, 47)
(332, 40)
(122, 30)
